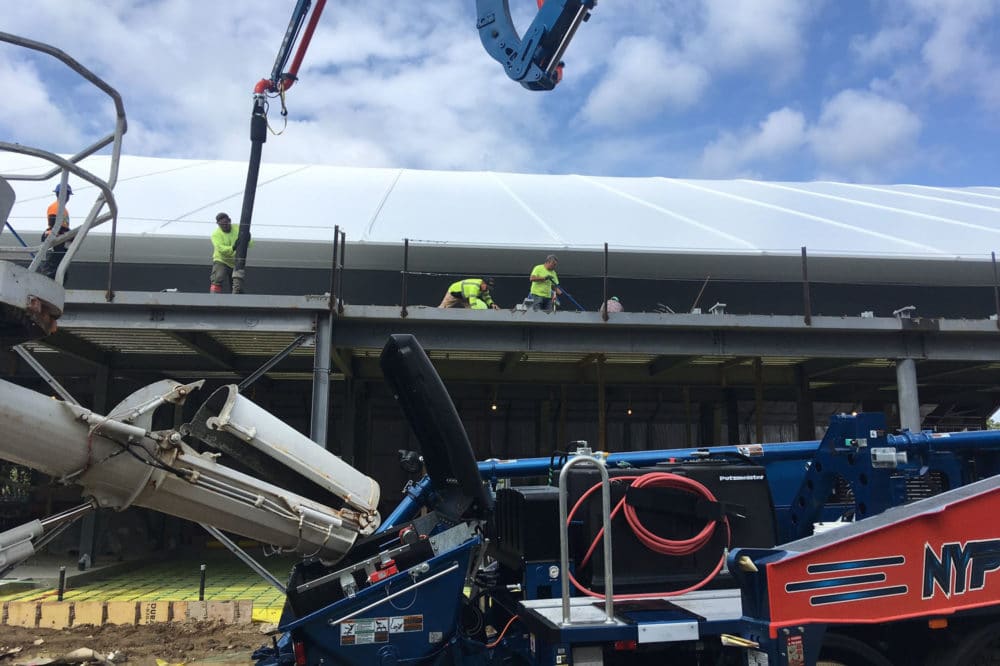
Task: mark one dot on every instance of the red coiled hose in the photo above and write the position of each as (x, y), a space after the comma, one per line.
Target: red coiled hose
(652, 541)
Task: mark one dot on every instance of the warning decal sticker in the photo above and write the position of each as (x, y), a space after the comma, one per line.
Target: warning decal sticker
(368, 631)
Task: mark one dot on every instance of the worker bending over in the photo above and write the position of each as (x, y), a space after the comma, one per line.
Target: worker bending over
(471, 293)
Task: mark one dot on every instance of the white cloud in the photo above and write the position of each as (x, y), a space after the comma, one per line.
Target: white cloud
(885, 45)
(741, 33)
(643, 80)
(378, 86)
(956, 46)
(938, 47)
(385, 87)
(858, 135)
(859, 129)
(30, 115)
(781, 133)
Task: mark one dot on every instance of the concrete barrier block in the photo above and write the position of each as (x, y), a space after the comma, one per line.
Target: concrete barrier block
(244, 611)
(178, 611)
(123, 612)
(55, 614)
(222, 611)
(88, 612)
(22, 614)
(196, 610)
(154, 611)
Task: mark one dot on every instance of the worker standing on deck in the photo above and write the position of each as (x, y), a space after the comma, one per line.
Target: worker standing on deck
(471, 293)
(51, 262)
(544, 281)
(223, 254)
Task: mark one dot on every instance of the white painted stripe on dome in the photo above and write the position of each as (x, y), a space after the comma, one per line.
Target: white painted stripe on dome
(677, 216)
(809, 216)
(925, 197)
(962, 191)
(869, 204)
(527, 209)
(367, 233)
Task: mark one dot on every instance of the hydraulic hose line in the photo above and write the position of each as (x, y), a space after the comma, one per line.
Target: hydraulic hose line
(650, 540)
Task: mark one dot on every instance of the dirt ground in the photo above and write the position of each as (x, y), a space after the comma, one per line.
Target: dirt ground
(174, 643)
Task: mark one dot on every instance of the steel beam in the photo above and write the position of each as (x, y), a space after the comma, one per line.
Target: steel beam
(663, 364)
(125, 319)
(688, 335)
(684, 335)
(76, 347)
(43, 372)
(205, 346)
(273, 361)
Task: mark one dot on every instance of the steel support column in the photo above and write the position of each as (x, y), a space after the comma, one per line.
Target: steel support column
(319, 416)
(909, 400)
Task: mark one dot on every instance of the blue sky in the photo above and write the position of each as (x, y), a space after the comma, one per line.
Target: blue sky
(853, 90)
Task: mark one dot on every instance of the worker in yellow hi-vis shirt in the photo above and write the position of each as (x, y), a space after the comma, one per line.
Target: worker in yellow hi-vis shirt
(471, 293)
(544, 281)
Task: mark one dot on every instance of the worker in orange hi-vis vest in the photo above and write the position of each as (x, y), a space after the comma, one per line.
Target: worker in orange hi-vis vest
(55, 255)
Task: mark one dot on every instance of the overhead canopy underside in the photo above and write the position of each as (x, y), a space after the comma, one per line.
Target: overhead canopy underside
(655, 227)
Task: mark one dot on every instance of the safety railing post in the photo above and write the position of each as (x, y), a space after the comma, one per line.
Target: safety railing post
(340, 288)
(109, 295)
(333, 269)
(406, 270)
(806, 304)
(604, 309)
(996, 288)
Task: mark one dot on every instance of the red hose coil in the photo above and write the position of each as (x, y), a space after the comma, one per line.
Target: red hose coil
(652, 541)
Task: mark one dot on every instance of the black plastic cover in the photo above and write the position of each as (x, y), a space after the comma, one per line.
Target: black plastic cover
(448, 456)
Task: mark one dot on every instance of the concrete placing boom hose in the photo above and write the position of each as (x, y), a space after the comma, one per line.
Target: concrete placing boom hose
(120, 462)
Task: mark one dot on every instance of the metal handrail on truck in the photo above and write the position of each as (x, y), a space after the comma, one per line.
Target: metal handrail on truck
(609, 603)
